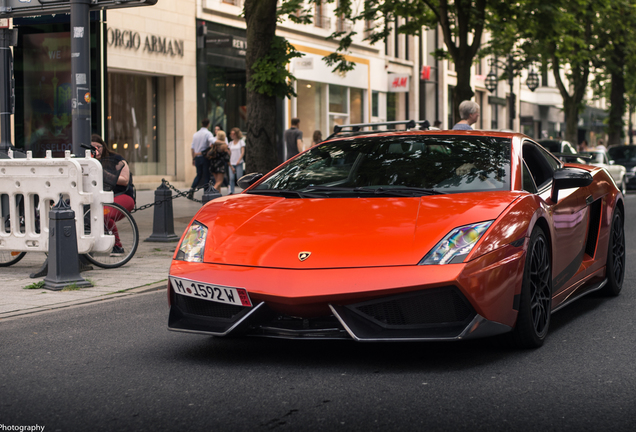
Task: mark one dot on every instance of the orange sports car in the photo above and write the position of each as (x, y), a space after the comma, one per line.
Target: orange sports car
(410, 235)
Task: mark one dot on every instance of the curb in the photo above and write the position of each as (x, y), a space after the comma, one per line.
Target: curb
(144, 289)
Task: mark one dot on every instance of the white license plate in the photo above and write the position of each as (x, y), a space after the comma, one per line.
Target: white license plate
(215, 293)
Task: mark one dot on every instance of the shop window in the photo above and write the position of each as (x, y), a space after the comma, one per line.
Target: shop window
(338, 106)
(391, 106)
(226, 98)
(310, 109)
(356, 105)
(375, 104)
(136, 122)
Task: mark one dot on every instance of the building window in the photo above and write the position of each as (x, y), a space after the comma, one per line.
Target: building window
(320, 18)
(356, 105)
(375, 104)
(494, 116)
(338, 105)
(391, 106)
(309, 109)
(135, 129)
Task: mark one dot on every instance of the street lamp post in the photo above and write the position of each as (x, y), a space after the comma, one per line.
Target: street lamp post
(492, 80)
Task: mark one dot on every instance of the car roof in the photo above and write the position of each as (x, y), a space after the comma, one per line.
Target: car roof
(416, 132)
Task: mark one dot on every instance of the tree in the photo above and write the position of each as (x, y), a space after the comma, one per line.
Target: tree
(618, 48)
(563, 34)
(462, 23)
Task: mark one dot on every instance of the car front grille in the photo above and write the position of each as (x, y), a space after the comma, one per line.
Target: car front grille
(429, 307)
(193, 306)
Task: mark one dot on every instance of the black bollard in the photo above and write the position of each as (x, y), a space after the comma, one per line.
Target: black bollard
(210, 193)
(63, 259)
(163, 219)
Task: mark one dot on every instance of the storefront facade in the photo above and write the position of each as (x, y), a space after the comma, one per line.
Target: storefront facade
(151, 90)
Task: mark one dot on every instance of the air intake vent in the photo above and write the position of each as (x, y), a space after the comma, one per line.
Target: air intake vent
(207, 308)
(430, 307)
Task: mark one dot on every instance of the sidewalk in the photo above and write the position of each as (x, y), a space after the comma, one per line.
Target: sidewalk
(146, 271)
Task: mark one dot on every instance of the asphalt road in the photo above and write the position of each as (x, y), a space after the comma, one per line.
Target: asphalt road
(113, 366)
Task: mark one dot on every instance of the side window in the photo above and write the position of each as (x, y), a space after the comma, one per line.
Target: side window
(540, 164)
(527, 180)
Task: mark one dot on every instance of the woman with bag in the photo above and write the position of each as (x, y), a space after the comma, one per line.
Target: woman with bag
(219, 156)
(237, 149)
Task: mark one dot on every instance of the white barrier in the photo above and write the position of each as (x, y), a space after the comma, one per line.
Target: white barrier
(76, 179)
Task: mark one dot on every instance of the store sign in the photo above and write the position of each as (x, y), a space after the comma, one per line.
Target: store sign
(399, 83)
(219, 41)
(132, 40)
(304, 63)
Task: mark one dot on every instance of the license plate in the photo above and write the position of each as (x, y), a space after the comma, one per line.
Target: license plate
(215, 293)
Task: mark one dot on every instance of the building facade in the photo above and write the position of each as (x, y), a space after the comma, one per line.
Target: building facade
(170, 65)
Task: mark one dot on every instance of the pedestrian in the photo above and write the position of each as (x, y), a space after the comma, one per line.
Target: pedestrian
(217, 128)
(469, 114)
(317, 138)
(218, 158)
(583, 146)
(237, 153)
(600, 146)
(437, 124)
(117, 178)
(293, 138)
(201, 141)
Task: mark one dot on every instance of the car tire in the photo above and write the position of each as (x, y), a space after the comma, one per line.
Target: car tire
(615, 266)
(535, 304)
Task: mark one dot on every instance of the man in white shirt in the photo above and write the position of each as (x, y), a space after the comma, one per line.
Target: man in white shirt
(201, 141)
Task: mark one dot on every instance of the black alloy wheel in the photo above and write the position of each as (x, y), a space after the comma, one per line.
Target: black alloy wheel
(615, 267)
(535, 305)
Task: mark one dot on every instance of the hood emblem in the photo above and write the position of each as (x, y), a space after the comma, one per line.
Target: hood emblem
(303, 255)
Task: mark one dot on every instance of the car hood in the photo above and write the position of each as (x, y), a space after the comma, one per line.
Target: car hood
(261, 231)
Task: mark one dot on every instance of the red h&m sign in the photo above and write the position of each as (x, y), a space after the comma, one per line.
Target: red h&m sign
(399, 83)
(426, 73)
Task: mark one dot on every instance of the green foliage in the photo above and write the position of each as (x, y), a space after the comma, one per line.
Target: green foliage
(35, 285)
(270, 76)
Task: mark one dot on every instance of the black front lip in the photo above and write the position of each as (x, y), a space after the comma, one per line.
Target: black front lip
(345, 323)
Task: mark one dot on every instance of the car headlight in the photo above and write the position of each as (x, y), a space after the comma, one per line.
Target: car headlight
(193, 244)
(456, 245)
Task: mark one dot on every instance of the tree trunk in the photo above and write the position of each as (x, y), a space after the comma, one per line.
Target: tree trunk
(261, 150)
(571, 111)
(463, 91)
(617, 96)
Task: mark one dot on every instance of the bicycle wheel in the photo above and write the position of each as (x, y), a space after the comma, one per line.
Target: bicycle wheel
(8, 258)
(120, 223)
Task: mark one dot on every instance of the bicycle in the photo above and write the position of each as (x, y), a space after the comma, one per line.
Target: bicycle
(117, 222)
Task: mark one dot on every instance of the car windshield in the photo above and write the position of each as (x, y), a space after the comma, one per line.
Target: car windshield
(395, 165)
(623, 153)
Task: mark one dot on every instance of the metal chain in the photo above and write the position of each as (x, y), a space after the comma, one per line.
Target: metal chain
(172, 197)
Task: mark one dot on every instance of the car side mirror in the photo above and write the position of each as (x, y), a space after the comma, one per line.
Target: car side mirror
(567, 178)
(248, 180)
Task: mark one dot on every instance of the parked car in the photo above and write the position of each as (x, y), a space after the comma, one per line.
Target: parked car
(561, 149)
(625, 155)
(413, 235)
(600, 157)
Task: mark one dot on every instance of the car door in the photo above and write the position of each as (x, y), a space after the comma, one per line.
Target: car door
(570, 216)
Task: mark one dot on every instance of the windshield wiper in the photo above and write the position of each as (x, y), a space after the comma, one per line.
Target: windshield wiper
(285, 193)
(407, 191)
(398, 190)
